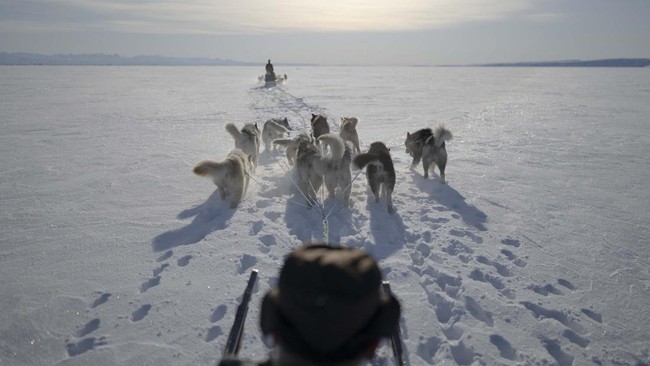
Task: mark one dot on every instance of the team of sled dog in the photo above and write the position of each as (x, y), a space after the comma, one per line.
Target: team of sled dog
(321, 158)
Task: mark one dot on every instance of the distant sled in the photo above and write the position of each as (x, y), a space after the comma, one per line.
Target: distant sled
(270, 79)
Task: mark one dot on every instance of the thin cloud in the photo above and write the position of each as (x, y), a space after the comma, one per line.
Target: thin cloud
(263, 16)
(546, 17)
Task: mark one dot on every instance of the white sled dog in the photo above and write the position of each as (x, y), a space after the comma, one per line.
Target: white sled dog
(348, 131)
(274, 128)
(231, 175)
(308, 171)
(248, 139)
(380, 172)
(291, 145)
(434, 152)
(335, 167)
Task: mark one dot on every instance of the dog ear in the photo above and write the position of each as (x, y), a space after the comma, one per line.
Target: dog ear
(408, 135)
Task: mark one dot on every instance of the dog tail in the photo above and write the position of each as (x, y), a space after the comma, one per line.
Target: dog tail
(336, 144)
(284, 122)
(209, 168)
(280, 126)
(233, 131)
(361, 160)
(441, 134)
(283, 142)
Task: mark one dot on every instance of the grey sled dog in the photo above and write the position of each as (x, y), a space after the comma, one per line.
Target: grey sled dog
(274, 128)
(291, 145)
(380, 172)
(308, 171)
(434, 152)
(336, 167)
(231, 175)
(248, 139)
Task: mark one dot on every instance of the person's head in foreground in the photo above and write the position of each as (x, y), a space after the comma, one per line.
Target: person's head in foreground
(327, 308)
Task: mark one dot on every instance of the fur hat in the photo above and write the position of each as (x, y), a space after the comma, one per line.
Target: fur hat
(328, 306)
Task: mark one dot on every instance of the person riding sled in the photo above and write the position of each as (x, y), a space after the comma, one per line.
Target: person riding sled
(270, 74)
(327, 309)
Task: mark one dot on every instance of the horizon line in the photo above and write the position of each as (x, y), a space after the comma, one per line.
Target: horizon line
(114, 59)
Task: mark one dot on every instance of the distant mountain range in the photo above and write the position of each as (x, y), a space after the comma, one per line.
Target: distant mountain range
(104, 59)
(613, 62)
(100, 59)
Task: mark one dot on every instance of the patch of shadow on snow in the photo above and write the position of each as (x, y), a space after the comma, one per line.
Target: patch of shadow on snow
(447, 196)
(245, 262)
(90, 327)
(554, 349)
(210, 216)
(100, 300)
(139, 314)
(428, 348)
(504, 347)
(387, 229)
(541, 313)
(152, 282)
(307, 224)
(85, 345)
(213, 333)
(218, 313)
(184, 261)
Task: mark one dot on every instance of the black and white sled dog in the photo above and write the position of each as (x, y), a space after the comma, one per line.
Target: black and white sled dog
(380, 172)
(319, 126)
(231, 175)
(291, 145)
(335, 167)
(415, 142)
(247, 139)
(429, 146)
(348, 131)
(274, 128)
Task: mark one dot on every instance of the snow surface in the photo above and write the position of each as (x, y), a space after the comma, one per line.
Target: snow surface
(112, 252)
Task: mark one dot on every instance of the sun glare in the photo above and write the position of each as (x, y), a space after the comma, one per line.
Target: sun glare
(371, 15)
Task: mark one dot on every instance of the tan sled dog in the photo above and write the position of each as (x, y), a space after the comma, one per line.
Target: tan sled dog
(274, 128)
(248, 139)
(335, 167)
(231, 175)
(348, 132)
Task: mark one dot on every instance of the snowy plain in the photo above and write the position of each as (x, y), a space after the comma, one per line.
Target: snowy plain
(112, 252)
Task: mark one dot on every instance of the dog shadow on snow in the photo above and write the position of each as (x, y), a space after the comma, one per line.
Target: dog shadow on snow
(307, 223)
(450, 198)
(388, 233)
(210, 216)
(388, 230)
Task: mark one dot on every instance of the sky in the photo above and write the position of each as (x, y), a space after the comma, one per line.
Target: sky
(334, 32)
